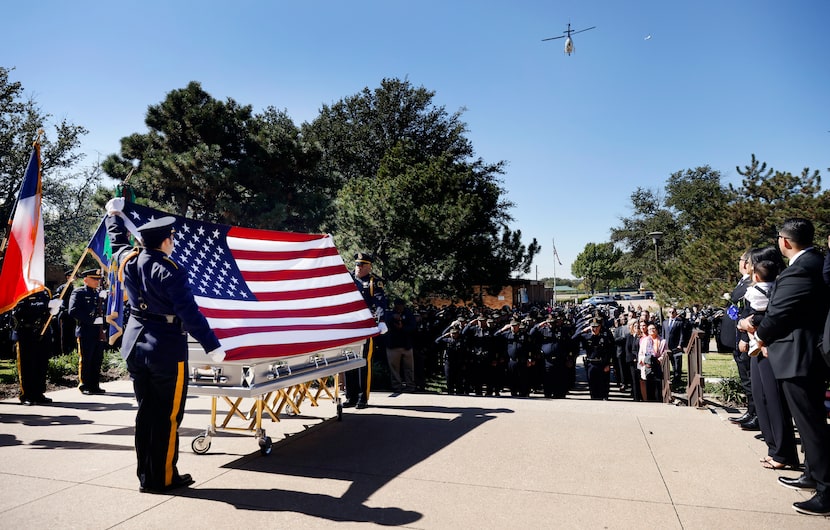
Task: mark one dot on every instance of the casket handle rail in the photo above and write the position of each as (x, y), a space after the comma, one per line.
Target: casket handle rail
(208, 373)
(278, 369)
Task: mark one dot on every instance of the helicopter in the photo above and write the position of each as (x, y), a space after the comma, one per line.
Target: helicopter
(569, 43)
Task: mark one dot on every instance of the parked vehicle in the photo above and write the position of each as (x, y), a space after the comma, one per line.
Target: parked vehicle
(600, 299)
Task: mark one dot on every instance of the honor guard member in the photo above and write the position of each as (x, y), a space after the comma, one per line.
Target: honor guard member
(28, 319)
(599, 348)
(87, 305)
(557, 349)
(162, 313)
(370, 285)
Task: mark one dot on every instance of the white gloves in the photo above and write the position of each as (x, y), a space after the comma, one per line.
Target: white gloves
(54, 306)
(103, 294)
(99, 320)
(217, 355)
(383, 327)
(115, 205)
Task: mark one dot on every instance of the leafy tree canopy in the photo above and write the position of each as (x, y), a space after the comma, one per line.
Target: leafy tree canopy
(221, 162)
(68, 213)
(597, 266)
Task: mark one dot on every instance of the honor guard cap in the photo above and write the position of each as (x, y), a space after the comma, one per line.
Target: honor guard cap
(156, 231)
(362, 257)
(95, 274)
(595, 323)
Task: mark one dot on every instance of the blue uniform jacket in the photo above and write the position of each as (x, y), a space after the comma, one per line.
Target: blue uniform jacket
(156, 285)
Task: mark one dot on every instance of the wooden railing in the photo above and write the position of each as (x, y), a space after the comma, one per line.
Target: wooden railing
(694, 358)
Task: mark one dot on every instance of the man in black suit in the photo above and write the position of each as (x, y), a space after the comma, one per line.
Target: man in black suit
(676, 330)
(729, 336)
(791, 330)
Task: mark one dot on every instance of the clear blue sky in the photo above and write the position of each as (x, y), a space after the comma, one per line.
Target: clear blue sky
(717, 81)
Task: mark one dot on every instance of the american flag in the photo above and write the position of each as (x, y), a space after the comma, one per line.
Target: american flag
(265, 293)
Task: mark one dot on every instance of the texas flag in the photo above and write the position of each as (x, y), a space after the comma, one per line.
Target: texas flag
(23, 270)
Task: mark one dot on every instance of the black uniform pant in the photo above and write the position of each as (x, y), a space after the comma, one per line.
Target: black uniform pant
(744, 373)
(805, 397)
(599, 379)
(90, 358)
(518, 377)
(160, 389)
(32, 363)
(556, 378)
(774, 416)
(358, 380)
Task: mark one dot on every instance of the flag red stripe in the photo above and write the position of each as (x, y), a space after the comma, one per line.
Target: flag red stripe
(272, 235)
(235, 332)
(284, 350)
(305, 294)
(284, 313)
(312, 253)
(290, 274)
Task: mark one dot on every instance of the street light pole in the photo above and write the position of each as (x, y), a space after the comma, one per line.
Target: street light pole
(656, 237)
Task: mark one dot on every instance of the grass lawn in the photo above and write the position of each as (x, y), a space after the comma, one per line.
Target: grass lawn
(720, 365)
(8, 371)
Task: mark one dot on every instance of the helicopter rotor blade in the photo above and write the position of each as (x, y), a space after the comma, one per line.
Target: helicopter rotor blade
(586, 29)
(554, 38)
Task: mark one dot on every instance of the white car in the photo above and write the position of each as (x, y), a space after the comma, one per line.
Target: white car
(600, 299)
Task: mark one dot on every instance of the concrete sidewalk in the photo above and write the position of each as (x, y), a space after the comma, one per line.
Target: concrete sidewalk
(411, 460)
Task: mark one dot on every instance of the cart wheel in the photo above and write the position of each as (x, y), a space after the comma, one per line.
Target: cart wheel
(339, 412)
(265, 446)
(200, 444)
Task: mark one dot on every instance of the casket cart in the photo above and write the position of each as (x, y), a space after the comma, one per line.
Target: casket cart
(275, 385)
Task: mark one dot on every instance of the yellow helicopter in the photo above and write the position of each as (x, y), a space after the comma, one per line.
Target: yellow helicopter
(569, 43)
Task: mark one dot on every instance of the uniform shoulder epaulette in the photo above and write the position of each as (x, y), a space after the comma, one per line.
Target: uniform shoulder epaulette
(169, 260)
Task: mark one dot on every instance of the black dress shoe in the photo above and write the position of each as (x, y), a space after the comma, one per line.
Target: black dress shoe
(799, 483)
(361, 405)
(98, 390)
(42, 400)
(349, 404)
(742, 418)
(178, 482)
(751, 425)
(818, 505)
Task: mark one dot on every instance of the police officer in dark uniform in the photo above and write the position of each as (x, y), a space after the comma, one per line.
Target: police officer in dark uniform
(517, 344)
(33, 348)
(370, 285)
(452, 346)
(557, 349)
(478, 337)
(162, 313)
(87, 306)
(64, 323)
(598, 344)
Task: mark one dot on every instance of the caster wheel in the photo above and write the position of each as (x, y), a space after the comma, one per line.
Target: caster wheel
(265, 446)
(200, 445)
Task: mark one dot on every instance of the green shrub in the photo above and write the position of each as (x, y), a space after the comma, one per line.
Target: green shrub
(61, 368)
(728, 391)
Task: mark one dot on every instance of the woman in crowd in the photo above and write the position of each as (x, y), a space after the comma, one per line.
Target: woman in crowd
(637, 329)
(652, 348)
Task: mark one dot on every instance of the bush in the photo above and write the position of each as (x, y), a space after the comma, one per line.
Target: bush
(63, 369)
(729, 391)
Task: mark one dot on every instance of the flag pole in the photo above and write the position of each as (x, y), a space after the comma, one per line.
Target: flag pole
(553, 244)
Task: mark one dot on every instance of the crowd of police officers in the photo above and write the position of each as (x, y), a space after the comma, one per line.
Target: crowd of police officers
(477, 350)
(536, 349)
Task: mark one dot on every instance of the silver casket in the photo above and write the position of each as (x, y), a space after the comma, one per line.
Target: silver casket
(254, 377)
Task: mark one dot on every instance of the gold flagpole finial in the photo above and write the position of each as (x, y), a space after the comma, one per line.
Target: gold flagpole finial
(40, 132)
